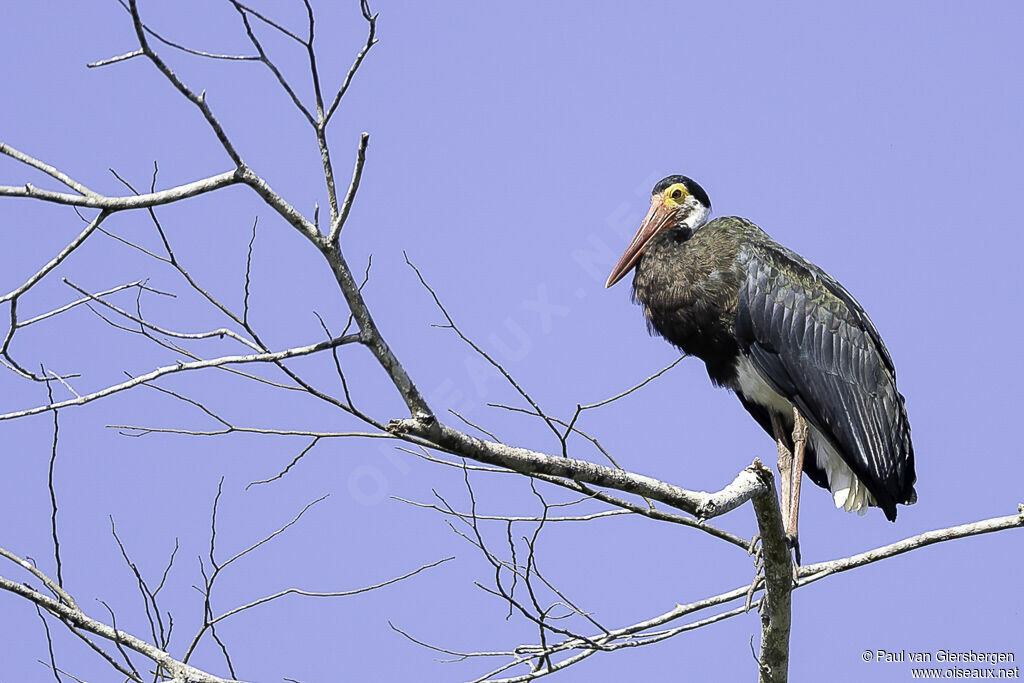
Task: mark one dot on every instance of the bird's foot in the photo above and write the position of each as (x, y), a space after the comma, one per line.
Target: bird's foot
(793, 541)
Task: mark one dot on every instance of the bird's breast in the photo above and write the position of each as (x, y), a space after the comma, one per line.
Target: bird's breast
(689, 292)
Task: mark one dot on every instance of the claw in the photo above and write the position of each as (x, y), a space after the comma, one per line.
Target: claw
(793, 541)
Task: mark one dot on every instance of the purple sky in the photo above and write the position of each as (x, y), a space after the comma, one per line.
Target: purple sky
(512, 153)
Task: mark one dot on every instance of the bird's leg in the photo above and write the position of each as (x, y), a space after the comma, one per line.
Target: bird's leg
(799, 447)
(785, 467)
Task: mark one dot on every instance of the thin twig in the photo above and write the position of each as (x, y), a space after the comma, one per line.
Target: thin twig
(77, 620)
(263, 57)
(483, 354)
(198, 100)
(50, 486)
(350, 195)
(633, 388)
(183, 48)
(645, 511)
(49, 645)
(248, 274)
(641, 633)
(371, 20)
(335, 594)
(185, 367)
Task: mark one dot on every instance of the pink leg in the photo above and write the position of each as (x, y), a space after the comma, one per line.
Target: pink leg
(785, 468)
(799, 446)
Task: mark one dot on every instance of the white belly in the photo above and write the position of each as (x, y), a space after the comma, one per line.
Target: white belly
(848, 491)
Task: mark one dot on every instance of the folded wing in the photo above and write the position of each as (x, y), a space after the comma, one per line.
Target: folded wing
(815, 345)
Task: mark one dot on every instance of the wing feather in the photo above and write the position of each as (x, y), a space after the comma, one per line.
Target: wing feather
(813, 343)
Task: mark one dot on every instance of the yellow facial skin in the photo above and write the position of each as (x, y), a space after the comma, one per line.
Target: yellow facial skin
(675, 195)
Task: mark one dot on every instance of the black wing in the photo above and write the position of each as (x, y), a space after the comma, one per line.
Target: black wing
(815, 345)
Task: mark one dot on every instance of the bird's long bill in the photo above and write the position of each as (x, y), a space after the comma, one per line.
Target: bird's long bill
(657, 218)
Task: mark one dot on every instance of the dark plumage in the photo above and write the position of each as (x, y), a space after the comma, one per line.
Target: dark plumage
(780, 332)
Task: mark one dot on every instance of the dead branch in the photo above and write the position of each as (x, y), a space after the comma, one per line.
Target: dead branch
(776, 614)
(185, 367)
(645, 633)
(524, 461)
(78, 619)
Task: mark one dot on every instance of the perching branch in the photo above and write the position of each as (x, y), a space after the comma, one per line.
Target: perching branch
(602, 496)
(701, 505)
(776, 614)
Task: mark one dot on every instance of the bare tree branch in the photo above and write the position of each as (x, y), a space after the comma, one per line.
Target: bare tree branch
(198, 100)
(635, 387)
(210, 334)
(185, 367)
(479, 351)
(357, 174)
(371, 20)
(54, 173)
(776, 605)
(639, 634)
(111, 204)
(64, 596)
(49, 646)
(114, 60)
(646, 511)
(813, 572)
(263, 57)
(178, 46)
(54, 262)
(80, 620)
(516, 518)
(702, 505)
(78, 302)
(335, 594)
(53, 491)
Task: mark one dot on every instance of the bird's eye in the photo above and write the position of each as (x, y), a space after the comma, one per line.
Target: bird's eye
(677, 193)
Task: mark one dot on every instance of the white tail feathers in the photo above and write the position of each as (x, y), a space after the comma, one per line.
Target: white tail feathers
(848, 492)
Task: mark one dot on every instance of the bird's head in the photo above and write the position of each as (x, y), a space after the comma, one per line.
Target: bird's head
(676, 202)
